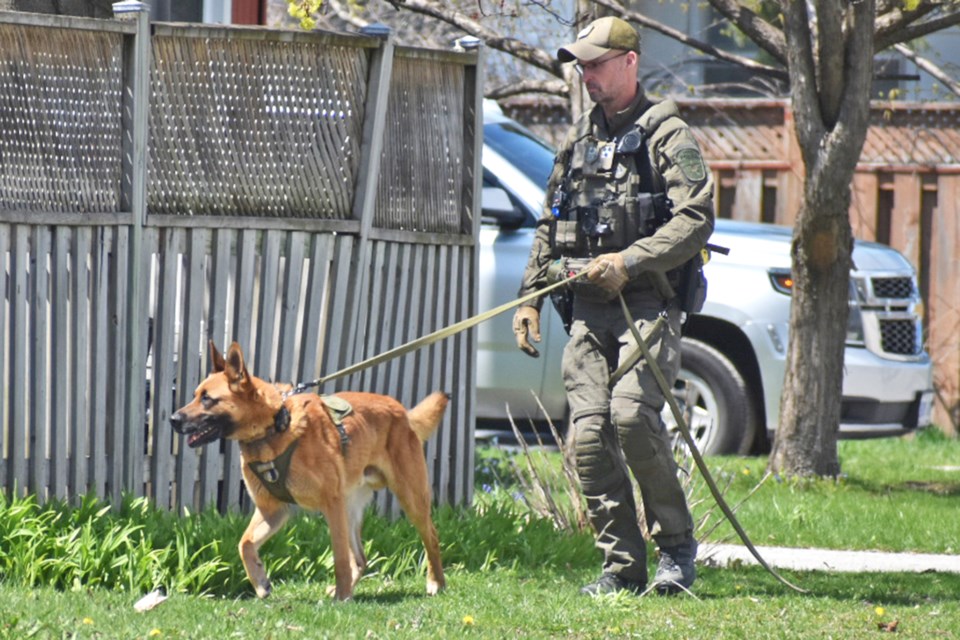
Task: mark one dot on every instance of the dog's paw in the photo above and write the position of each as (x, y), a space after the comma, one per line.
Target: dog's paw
(433, 587)
(331, 592)
(263, 589)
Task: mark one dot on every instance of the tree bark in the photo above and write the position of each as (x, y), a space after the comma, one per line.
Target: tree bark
(831, 103)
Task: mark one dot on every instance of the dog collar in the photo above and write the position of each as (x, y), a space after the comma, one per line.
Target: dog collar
(281, 420)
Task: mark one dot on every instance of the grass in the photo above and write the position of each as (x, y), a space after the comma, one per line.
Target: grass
(894, 495)
(76, 573)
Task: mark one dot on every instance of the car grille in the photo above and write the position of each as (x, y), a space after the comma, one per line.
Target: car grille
(893, 288)
(899, 337)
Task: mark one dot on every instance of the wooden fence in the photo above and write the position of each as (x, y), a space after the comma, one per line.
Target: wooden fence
(310, 195)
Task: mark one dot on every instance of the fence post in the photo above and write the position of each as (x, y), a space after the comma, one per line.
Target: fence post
(135, 112)
(365, 198)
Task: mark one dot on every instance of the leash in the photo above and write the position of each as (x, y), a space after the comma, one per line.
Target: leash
(644, 352)
(685, 432)
(436, 336)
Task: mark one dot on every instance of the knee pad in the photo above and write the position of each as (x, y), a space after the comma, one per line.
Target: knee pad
(639, 429)
(597, 455)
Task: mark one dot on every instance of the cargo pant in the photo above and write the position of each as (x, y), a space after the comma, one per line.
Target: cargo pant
(620, 428)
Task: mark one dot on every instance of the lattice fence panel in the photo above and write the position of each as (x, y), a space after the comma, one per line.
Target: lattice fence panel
(60, 126)
(421, 186)
(255, 128)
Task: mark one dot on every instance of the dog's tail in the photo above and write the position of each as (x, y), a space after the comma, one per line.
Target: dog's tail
(426, 416)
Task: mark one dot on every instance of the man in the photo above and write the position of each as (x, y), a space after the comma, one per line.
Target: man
(631, 198)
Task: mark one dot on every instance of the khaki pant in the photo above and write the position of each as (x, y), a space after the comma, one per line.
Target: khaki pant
(620, 428)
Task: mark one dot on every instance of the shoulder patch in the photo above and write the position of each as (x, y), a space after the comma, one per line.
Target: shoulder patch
(691, 164)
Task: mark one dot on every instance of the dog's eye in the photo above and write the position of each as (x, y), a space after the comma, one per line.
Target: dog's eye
(207, 401)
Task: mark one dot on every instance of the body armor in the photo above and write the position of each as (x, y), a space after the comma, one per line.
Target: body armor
(606, 200)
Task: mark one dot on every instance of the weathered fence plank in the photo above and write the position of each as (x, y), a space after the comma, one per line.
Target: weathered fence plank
(216, 184)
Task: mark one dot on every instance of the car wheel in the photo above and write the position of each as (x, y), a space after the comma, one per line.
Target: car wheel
(715, 402)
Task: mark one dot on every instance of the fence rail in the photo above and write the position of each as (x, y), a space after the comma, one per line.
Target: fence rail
(309, 195)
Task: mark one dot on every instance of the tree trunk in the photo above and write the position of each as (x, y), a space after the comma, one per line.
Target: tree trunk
(806, 440)
(830, 58)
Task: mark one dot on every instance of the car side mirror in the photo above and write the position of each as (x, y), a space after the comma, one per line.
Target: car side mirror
(498, 208)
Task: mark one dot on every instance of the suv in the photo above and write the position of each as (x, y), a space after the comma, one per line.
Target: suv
(733, 351)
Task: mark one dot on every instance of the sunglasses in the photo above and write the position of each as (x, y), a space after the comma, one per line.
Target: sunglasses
(593, 66)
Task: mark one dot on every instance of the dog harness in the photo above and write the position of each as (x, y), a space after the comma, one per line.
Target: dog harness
(272, 474)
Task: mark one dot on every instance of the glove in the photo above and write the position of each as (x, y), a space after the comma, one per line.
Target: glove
(609, 272)
(527, 320)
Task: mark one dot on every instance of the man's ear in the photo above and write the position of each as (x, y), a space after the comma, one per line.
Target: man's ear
(216, 359)
(236, 370)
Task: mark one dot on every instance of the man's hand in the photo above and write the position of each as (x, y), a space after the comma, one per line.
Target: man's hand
(527, 320)
(609, 272)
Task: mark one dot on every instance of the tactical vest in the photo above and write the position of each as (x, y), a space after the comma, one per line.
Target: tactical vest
(607, 199)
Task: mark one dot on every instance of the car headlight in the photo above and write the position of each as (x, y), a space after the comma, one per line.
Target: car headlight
(782, 282)
(855, 318)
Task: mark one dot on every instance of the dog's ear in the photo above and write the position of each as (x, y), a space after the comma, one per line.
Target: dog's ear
(236, 369)
(216, 359)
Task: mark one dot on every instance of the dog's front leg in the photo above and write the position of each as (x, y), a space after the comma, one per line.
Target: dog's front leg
(265, 523)
(342, 560)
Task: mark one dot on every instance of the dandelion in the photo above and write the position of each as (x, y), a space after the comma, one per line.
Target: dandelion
(879, 611)
(154, 632)
(468, 620)
(746, 471)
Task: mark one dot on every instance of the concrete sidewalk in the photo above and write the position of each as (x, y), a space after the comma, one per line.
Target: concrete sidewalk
(723, 555)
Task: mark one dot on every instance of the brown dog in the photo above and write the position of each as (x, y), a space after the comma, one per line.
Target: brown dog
(292, 451)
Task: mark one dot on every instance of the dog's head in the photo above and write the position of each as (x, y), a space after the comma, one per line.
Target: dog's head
(230, 403)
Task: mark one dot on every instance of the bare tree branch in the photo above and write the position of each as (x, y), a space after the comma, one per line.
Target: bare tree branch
(854, 113)
(549, 87)
(521, 50)
(761, 32)
(801, 62)
(832, 42)
(894, 18)
(693, 43)
(917, 30)
(936, 72)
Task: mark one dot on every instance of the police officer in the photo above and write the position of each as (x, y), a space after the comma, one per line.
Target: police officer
(631, 199)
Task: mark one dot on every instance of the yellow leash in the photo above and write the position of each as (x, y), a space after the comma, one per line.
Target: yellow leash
(437, 335)
(644, 352)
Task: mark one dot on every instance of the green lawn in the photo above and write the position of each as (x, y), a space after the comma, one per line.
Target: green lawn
(511, 573)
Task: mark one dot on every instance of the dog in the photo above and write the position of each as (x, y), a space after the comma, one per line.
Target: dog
(296, 449)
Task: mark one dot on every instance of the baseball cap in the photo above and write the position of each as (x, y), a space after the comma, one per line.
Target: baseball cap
(600, 36)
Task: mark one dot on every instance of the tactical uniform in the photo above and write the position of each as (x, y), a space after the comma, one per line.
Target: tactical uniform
(592, 189)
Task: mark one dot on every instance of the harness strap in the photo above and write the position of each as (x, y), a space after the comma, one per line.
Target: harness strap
(339, 409)
(273, 473)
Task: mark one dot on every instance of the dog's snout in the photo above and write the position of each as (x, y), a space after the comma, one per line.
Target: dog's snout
(176, 421)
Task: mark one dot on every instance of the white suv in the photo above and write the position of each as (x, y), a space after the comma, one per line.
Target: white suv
(734, 350)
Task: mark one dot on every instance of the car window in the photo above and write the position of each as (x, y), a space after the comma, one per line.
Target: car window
(532, 156)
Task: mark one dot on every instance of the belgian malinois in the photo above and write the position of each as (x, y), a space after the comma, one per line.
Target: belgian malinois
(296, 449)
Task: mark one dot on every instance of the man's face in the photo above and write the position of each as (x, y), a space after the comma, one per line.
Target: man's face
(609, 77)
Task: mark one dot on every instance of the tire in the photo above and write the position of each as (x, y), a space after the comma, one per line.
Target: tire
(715, 401)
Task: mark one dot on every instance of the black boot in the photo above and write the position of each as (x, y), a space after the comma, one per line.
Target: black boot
(676, 571)
(612, 583)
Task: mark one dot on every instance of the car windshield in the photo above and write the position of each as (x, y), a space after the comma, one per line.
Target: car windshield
(521, 149)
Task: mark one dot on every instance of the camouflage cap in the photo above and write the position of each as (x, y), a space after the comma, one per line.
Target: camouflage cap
(600, 36)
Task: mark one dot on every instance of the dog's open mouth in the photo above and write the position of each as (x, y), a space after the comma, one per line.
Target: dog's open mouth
(207, 433)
